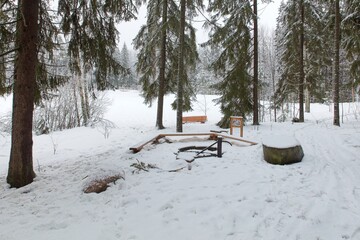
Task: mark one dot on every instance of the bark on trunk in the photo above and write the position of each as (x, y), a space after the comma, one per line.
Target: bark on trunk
(302, 74)
(256, 70)
(180, 82)
(337, 38)
(307, 100)
(161, 93)
(21, 171)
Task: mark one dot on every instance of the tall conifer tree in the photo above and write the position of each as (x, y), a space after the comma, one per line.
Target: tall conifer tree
(336, 75)
(92, 38)
(181, 75)
(21, 171)
(158, 57)
(256, 67)
(234, 62)
(351, 37)
(301, 48)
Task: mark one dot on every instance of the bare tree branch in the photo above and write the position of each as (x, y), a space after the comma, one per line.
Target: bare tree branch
(8, 52)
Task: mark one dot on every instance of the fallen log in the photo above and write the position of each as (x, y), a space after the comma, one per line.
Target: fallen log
(212, 135)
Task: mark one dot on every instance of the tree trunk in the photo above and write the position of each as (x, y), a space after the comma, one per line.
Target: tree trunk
(81, 90)
(86, 98)
(180, 82)
(77, 113)
(161, 93)
(256, 69)
(301, 67)
(274, 91)
(21, 171)
(337, 38)
(307, 99)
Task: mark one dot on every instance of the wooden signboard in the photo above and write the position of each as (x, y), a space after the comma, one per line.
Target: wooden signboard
(236, 122)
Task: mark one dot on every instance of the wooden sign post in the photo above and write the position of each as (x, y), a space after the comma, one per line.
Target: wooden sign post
(236, 122)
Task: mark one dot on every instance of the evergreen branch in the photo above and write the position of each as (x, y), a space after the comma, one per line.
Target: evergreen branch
(206, 19)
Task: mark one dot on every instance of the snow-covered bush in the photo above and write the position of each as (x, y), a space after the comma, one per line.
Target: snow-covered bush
(71, 107)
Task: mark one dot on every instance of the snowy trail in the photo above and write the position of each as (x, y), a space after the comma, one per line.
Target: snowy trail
(334, 180)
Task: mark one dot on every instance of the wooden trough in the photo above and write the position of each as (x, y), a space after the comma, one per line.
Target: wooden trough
(212, 135)
(282, 150)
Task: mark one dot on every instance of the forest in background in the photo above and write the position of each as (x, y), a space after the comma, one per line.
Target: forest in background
(57, 57)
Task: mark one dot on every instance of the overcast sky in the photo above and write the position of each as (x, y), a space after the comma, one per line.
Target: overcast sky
(128, 30)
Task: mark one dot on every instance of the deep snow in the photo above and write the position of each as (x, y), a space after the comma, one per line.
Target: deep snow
(238, 196)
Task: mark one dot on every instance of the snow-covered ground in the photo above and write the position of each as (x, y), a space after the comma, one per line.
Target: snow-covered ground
(238, 196)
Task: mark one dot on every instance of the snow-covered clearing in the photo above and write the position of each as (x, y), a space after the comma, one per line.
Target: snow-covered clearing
(238, 196)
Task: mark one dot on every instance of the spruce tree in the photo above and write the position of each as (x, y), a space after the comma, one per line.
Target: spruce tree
(180, 78)
(255, 66)
(153, 42)
(158, 56)
(351, 37)
(89, 28)
(161, 93)
(234, 62)
(301, 48)
(8, 16)
(21, 171)
(336, 75)
(127, 78)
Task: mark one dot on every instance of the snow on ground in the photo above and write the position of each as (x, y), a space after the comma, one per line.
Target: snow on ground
(238, 196)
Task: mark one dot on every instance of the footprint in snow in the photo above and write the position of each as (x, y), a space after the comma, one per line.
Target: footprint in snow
(51, 226)
(166, 206)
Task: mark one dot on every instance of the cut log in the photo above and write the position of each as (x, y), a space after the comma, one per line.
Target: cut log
(282, 150)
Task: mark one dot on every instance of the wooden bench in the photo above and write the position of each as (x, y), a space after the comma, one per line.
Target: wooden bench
(190, 119)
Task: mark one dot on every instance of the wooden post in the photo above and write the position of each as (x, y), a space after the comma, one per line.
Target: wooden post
(219, 146)
(236, 122)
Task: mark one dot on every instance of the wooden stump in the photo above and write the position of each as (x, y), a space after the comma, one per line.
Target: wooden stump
(282, 150)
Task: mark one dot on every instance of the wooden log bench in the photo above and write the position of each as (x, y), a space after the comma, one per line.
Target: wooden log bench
(192, 119)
